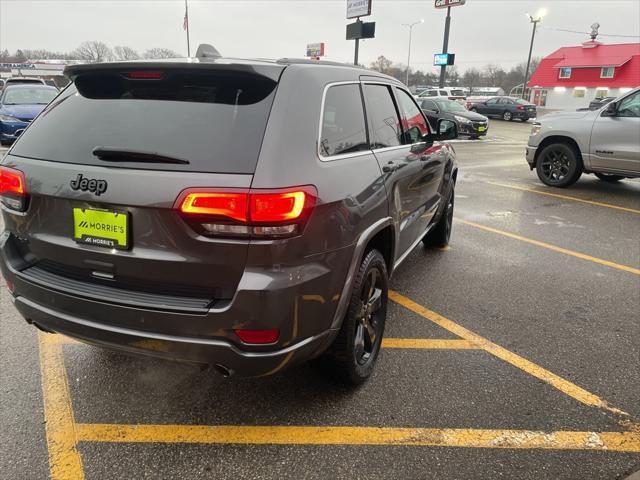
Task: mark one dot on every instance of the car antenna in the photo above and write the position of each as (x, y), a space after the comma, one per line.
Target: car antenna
(207, 51)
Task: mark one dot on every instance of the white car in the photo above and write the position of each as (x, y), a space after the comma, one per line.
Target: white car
(448, 93)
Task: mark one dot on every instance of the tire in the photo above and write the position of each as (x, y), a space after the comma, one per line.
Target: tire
(4, 143)
(474, 137)
(559, 165)
(440, 234)
(608, 177)
(352, 356)
(507, 116)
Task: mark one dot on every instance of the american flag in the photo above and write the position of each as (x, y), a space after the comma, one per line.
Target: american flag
(185, 23)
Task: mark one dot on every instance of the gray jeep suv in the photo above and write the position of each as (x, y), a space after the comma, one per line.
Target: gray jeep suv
(241, 213)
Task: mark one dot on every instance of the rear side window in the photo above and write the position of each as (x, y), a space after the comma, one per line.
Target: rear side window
(343, 126)
(214, 120)
(444, 93)
(413, 121)
(457, 93)
(384, 124)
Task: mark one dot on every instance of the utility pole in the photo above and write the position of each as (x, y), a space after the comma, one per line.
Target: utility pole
(535, 21)
(445, 47)
(410, 25)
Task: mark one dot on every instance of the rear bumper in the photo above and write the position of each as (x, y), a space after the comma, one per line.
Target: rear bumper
(301, 302)
(215, 352)
(524, 115)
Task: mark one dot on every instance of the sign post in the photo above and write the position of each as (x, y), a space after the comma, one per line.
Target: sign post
(359, 29)
(445, 45)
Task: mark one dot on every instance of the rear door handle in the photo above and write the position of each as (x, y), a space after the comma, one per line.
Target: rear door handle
(390, 167)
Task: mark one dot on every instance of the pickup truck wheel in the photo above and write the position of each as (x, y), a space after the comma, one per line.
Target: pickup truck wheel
(607, 177)
(559, 165)
(440, 234)
(352, 356)
(507, 116)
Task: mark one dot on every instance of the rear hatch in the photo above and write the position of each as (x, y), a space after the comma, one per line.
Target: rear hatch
(105, 164)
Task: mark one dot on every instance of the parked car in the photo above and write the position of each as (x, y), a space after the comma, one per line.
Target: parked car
(19, 105)
(242, 233)
(468, 123)
(449, 93)
(21, 80)
(600, 102)
(506, 108)
(564, 145)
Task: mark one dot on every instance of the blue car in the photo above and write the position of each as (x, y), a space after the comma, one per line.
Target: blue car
(19, 105)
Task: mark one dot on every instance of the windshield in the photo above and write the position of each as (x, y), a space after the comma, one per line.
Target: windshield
(450, 106)
(29, 96)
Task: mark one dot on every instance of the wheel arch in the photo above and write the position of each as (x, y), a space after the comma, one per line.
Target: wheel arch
(380, 235)
(557, 139)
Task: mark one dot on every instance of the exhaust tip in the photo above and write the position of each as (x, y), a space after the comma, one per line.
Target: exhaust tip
(222, 370)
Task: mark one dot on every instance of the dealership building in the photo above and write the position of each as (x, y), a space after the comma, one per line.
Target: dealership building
(571, 77)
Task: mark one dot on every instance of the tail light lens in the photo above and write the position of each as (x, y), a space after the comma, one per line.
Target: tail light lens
(13, 190)
(258, 337)
(248, 213)
(520, 107)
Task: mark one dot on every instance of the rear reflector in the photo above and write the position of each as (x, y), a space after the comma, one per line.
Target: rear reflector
(12, 188)
(258, 337)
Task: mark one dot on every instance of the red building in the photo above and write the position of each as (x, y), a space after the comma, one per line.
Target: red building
(571, 77)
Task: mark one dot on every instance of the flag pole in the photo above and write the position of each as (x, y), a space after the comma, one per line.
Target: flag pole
(186, 16)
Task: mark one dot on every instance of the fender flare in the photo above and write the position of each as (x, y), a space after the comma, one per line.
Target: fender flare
(358, 253)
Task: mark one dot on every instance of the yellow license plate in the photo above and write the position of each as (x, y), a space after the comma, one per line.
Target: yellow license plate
(101, 228)
(482, 129)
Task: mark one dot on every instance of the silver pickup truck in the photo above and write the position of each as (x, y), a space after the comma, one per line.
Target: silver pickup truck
(605, 142)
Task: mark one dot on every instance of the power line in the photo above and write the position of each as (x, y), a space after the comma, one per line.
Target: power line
(589, 33)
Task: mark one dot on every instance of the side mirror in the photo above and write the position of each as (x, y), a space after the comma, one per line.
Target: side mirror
(611, 110)
(447, 130)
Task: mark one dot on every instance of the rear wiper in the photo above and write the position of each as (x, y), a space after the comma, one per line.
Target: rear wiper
(113, 154)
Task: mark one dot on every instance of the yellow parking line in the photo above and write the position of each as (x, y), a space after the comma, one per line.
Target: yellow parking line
(566, 387)
(565, 197)
(64, 459)
(428, 343)
(554, 248)
(329, 435)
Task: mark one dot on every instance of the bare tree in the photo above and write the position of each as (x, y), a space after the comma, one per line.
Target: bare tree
(494, 74)
(382, 64)
(125, 53)
(161, 53)
(94, 52)
(471, 78)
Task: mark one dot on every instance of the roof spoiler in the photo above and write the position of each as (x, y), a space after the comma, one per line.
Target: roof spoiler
(207, 51)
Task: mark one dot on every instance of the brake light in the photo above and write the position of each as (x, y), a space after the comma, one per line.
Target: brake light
(248, 213)
(258, 336)
(13, 188)
(143, 75)
(224, 204)
(520, 107)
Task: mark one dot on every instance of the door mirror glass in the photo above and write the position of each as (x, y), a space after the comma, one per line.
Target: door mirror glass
(611, 110)
(447, 130)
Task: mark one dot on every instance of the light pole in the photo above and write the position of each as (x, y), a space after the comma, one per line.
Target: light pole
(534, 20)
(410, 25)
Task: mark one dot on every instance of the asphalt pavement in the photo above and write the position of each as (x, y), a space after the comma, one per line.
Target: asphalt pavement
(514, 353)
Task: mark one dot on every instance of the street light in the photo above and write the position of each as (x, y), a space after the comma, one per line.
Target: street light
(410, 25)
(534, 20)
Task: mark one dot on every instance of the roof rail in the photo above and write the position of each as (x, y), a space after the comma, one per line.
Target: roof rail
(207, 51)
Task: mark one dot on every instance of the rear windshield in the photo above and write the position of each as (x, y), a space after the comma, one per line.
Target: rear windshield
(215, 121)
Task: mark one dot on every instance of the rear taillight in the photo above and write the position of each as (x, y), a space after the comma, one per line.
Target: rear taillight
(520, 107)
(248, 213)
(13, 190)
(258, 336)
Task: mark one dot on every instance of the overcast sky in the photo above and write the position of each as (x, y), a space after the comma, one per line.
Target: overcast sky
(482, 31)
